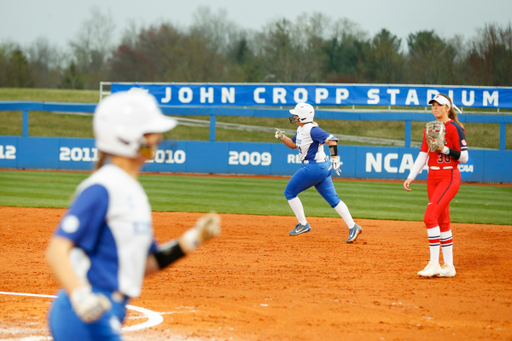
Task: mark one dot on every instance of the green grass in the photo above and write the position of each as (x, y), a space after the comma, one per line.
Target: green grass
(49, 95)
(248, 195)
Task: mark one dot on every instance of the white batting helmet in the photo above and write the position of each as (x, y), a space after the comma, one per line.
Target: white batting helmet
(305, 111)
(122, 119)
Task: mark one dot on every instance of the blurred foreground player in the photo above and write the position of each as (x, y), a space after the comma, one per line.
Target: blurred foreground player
(104, 245)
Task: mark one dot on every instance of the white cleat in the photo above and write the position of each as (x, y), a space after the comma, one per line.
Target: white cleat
(430, 270)
(447, 271)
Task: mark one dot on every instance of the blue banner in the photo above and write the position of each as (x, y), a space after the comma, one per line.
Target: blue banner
(245, 158)
(332, 95)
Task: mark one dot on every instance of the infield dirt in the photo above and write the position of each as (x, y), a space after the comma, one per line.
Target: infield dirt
(254, 282)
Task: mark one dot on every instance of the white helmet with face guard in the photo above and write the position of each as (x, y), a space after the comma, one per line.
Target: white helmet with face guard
(122, 119)
(304, 111)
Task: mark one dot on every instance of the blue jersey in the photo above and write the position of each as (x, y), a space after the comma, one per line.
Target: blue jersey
(310, 141)
(110, 224)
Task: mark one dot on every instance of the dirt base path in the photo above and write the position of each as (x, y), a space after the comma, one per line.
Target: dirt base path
(255, 282)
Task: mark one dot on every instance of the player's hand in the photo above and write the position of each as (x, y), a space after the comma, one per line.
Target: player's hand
(280, 134)
(407, 183)
(206, 228)
(89, 306)
(336, 164)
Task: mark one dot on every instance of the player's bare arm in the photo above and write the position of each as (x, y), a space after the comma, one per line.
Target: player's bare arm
(57, 256)
(280, 134)
(87, 305)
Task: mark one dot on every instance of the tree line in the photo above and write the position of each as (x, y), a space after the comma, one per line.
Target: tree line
(312, 49)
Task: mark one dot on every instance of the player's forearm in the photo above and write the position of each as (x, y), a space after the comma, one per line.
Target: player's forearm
(165, 255)
(57, 256)
(151, 265)
(289, 142)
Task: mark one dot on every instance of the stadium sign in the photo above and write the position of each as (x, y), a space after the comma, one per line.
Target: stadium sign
(277, 95)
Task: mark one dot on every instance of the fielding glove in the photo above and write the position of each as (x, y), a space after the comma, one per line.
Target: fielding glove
(436, 133)
(280, 134)
(89, 306)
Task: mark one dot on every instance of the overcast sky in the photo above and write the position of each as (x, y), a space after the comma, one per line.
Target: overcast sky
(23, 21)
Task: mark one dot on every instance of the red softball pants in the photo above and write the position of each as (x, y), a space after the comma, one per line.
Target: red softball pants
(442, 186)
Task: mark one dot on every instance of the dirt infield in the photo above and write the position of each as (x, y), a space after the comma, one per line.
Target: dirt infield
(256, 283)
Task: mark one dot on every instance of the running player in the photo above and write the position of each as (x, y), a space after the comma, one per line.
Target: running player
(316, 169)
(443, 183)
(104, 245)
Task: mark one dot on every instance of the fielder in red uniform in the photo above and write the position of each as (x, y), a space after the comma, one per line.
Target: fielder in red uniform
(443, 182)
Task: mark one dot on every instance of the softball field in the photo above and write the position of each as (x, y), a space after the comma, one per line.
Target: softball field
(254, 282)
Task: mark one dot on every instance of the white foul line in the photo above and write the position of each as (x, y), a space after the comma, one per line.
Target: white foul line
(153, 317)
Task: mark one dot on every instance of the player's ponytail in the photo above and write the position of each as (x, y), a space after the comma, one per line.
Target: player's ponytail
(102, 159)
(452, 114)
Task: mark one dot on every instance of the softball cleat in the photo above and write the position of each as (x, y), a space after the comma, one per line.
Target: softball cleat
(299, 229)
(430, 270)
(447, 271)
(353, 233)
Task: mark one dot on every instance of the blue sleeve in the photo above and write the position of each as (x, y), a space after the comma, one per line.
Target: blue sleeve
(83, 222)
(462, 138)
(319, 135)
(152, 247)
(294, 138)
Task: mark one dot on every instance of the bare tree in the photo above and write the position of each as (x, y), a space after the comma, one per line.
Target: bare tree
(216, 29)
(93, 46)
(293, 51)
(344, 50)
(489, 61)
(46, 63)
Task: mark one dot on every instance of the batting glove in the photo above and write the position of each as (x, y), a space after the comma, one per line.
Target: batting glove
(280, 134)
(205, 229)
(336, 164)
(89, 306)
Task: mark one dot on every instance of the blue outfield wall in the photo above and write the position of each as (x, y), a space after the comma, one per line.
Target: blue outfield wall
(244, 158)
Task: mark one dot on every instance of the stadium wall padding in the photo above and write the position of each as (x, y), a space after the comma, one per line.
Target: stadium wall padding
(359, 162)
